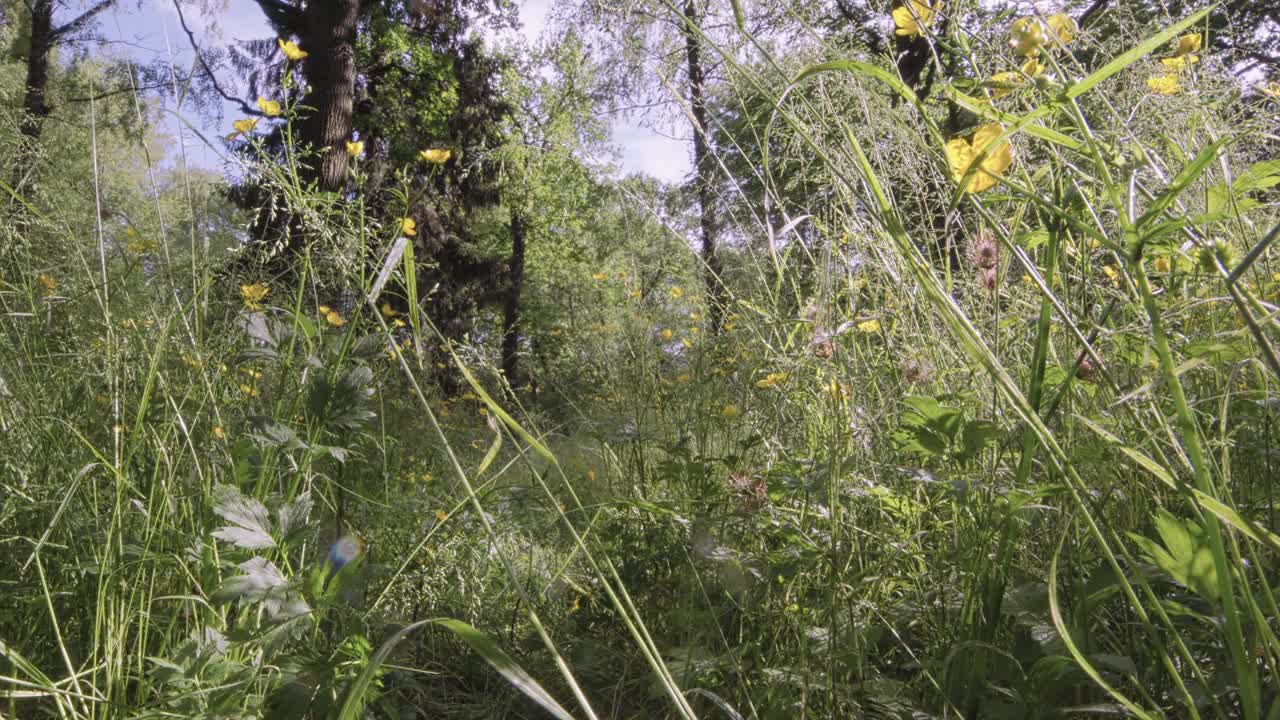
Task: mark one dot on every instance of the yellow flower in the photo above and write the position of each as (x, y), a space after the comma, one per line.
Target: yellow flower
(270, 108)
(290, 50)
(218, 432)
(355, 148)
(389, 312)
(331, 316)
(683, 378)
(1027, 35)
(962, 153)
(836, 390)
(1033, 67)
(1064, 27)
(243, 127)
(635, 294)
(1163, 264)
(437, 156)
(557, 332)
(1188, 44)
(666, 334)
(48, 285)
(730, 411)
(677, 292)
(1003, 83)
(914, 17)
(1166, 84)
(1180, 62)
(771, 380)
(869, 326)
(695, 316)
(248, 391)
(599, 277)
(441, 516)
(253, 295)
(1113, 275)
(408, 227)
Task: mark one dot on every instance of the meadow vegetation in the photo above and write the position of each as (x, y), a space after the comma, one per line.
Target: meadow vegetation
(945, 386)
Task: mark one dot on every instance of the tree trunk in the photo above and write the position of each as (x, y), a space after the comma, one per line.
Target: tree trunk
(34, 105)
(331, 71)
(511, 309)
(703, 166)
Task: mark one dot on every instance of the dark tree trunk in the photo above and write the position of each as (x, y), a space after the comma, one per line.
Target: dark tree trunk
(331, 71)
(34, 100)
(511, 308)
(703, 166)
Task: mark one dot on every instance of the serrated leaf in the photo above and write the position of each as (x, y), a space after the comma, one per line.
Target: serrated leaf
(292, 517)
(258, 579)
(250, 522)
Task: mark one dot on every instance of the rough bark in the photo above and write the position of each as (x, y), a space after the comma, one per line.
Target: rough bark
(511, 304)
(704, 167)
(331, 71)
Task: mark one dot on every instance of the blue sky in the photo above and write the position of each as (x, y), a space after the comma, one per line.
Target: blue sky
(151, 30)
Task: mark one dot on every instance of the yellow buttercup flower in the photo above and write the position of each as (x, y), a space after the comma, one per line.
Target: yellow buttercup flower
(914, 17)
(666, 334)
(48, 285)
(635, 294)
(1166, 84)
(772, 380)
(677, 292)
(441, 516)
(996, 158)
(1163, 264)
(389, 312)
(253, 295)
(248, 391)
(1064, 27)
(1003, 83)
(355, 148)
(290, 50)
(869, 326)
(331, 316)
(437, 156)
(599, 277)
(408, 227)
(270, 108)
(1027, 35)
(218, 432)
(1113, 275)
(730, 411)
(243, 127)
(1188, 44)
(1180, 62)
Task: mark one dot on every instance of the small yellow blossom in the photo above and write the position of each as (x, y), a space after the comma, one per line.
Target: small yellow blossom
(1027, 35)
(695, 316)
(1180, 62)
(677, 292)
(355, 148)
(1166, 84)
(837, 391)
(290, 50)
(556, 332)
(914, 17)
(331, 316)
(389, 312)
(599, 277)
(1113, 275)
(248, 390)
(218, 432)
(1188, 44)
(1033, 67)
(408, 227)
(1163, 264)
(436, 156)
(666, 334)
(270, 108)
(253, 295)
(730, 411)
(243, 127)
(48, 285)
(441, 516)
(773, 379)
(869, 326)
(683, 378)
(996, 158)
(635, 294)
(1064, 27)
